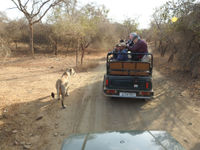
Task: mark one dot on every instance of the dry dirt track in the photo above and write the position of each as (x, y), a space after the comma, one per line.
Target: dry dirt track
(89, 111)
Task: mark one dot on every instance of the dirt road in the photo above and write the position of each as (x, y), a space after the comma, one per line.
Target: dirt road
(89, 111)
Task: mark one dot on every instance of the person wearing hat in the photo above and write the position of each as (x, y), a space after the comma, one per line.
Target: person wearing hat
(138, 46)
(123, 52)
(121, 41)
(115, 51)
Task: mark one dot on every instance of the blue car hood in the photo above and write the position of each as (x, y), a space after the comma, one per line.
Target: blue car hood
(131, 140)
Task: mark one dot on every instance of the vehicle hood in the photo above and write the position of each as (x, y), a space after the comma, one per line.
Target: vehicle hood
(131, 140)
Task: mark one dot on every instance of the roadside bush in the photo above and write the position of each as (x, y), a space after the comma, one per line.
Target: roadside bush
(180, 39)
(86, 66)
(4, 48)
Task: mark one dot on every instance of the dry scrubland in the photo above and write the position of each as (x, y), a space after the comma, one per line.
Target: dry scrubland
(26, 79)
(30, 119)
(25, 87)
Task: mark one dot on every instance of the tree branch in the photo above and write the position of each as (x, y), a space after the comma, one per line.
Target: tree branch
(32, 11)
(41, 8)
(30, 16)
(26, 3)
(21, 8)
(52, 5)
(16, 5)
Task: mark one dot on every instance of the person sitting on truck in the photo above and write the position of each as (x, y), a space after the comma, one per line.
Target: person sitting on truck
(121, 41)
(130, 40)
(139, 46)
(115, 52)
(123, 53)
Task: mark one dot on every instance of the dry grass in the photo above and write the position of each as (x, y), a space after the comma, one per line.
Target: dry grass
(86, 66)
(91, 61)
(174, 71)
(17, 72)
(25, 87)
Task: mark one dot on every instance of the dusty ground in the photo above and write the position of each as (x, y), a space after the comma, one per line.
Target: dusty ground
(31, 119)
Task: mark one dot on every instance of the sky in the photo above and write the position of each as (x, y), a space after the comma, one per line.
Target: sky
(119, 10)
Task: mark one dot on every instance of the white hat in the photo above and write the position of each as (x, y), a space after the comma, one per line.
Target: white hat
(122, 44)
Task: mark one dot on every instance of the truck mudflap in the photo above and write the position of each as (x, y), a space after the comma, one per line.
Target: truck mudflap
(128, 94)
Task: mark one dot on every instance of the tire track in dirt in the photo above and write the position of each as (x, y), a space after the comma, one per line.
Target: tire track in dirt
(98, 113)
(86, 105)
(92, 112)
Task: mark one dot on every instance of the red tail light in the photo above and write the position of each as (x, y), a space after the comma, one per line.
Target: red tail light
(111, 91)
(145, 93)
(106, 82)
(147, 85)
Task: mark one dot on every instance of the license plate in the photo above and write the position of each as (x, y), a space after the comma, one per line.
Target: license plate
(124, 94)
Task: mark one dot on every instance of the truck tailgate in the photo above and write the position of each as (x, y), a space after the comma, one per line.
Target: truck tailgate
(129, 83)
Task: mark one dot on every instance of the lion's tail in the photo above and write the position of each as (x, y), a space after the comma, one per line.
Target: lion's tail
(58, 86)
(52, 95)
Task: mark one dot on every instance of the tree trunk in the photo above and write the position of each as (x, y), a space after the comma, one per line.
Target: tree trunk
(155, 44)
(68, 46)
(77, 53)
(77, 57)
(31, 38)
(84, 45)
(56, 47)
(82, 54)
(16, 45)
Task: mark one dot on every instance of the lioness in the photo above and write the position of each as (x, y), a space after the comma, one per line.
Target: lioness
(62, 85)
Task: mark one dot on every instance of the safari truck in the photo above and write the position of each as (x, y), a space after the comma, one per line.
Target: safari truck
(129, 79)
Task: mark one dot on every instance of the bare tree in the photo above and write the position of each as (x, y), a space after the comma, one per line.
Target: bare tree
(130, 25)
(34, 11)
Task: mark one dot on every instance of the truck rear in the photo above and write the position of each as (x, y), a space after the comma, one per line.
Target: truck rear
(129, 79)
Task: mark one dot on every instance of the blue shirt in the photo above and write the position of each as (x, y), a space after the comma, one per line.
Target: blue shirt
(122, 55)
